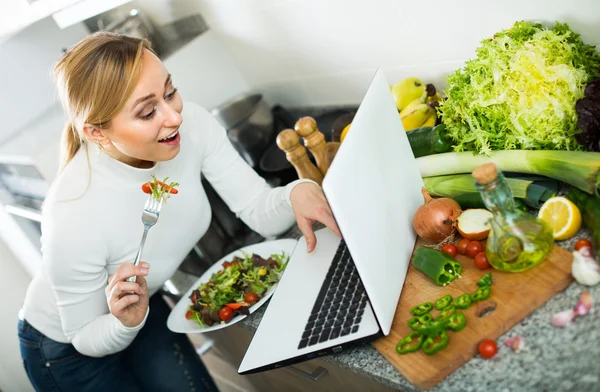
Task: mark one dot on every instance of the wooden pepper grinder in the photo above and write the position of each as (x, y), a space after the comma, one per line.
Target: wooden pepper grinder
(314, 140)
(289, 142)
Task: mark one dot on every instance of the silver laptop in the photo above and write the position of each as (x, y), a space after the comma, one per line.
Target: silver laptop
(346, 292)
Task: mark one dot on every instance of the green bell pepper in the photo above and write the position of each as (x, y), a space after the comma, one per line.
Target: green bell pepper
(418, 321)
(486, 280)
(421, 309)
(410, 343)
(446, 312)
(481, 294)
(443, 302)
(456, 322)
(437, 266)
(463, 302)
(430, 327)
(434, 343)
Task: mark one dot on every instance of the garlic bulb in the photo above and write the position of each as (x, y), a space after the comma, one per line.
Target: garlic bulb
(585, 269)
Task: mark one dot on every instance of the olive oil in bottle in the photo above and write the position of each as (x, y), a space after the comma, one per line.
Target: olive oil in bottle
(517, 240)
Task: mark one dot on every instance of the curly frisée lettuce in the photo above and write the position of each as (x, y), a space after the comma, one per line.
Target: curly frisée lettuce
(520, 91)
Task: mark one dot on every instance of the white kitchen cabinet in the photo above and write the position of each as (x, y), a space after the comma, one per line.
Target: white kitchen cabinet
(26, 63)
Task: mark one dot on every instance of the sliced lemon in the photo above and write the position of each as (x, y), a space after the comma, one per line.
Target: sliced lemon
(563, 217)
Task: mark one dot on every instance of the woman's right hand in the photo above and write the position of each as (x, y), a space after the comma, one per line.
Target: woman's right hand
(128, 301)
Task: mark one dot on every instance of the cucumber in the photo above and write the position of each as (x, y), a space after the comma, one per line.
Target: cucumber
(429, 140)
(589, 205)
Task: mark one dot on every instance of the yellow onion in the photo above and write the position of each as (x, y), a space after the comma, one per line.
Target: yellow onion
(434, 220)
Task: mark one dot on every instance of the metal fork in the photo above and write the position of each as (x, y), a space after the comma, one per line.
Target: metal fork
(149, 219)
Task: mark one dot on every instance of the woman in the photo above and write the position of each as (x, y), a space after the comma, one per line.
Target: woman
(85, 327)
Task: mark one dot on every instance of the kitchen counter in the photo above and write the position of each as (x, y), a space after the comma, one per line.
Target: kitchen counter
(558, 359)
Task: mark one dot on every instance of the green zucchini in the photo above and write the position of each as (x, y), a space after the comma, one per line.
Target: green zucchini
(589, 205)
(429, 140)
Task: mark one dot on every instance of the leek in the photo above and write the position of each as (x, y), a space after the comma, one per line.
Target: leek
(533, 190)
(577, 168)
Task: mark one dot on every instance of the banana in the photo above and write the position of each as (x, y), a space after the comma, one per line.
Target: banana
(408, 90)
(416, 114)
(431, 120)
(437, 97)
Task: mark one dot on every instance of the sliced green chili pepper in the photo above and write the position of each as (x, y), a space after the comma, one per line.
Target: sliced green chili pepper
(421, 309)
(410, 344)
(437, 266)
(443, 302)
(417, 321)
(434, 343)
(430, 327)
(481, 294)
(456, 322)
(463, 302)
(446, 312)
(485, 281)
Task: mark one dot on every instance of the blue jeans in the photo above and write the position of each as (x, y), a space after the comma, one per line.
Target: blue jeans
(157, 360)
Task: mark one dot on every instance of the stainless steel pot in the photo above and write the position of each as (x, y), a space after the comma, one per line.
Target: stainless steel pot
(249, 124)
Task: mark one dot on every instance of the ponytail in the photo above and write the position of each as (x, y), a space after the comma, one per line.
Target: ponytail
(95, 78)
(70, 144)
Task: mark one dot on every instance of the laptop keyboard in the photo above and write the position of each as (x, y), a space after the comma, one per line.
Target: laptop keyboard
(340, 305)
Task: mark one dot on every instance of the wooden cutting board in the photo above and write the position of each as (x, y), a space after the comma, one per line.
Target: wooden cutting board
(514, 296)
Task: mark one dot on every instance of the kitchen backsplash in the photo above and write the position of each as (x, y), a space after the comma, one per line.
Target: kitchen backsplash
(316, 52)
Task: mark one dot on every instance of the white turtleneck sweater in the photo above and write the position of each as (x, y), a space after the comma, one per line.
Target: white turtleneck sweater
(91, 225)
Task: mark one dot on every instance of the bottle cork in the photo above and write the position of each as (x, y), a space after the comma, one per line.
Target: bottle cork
(485, 173)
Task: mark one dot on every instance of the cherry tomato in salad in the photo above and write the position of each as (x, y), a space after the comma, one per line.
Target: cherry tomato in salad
(450, 249)
(251, 297)
(481, 261)
(462, 246)
(582, 244)
(473, 248)
(225, 314)
(189, 314)
(194, 297)
(487, 348)
(147, 189)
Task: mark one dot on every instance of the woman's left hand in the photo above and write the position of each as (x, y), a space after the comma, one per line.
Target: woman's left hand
(310, 205)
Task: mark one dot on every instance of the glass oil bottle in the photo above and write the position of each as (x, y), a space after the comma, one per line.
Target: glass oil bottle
(517, 240)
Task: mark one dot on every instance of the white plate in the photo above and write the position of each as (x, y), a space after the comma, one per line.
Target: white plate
(177, 321)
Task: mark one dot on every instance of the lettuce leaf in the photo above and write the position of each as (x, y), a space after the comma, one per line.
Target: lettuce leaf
(520, 91)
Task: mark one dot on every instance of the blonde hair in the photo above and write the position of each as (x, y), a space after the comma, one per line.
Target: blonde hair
(95, 78)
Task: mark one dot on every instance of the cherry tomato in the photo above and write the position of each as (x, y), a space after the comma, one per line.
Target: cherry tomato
(481, 261)
(251, 298)
(194, 297)
(582, 244)
(473, 248)
(225, 314)
(189, 314)
(462, 246)
(450, 249)
(146, 188)
(487, 348)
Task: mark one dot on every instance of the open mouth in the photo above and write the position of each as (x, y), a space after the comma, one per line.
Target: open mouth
(172, 138)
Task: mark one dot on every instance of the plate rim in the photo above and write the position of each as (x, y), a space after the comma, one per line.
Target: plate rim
(206, 276)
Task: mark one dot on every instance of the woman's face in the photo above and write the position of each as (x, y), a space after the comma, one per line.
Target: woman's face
(147, 129)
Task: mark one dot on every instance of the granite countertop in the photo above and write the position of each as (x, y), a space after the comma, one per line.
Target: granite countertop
(557, 359)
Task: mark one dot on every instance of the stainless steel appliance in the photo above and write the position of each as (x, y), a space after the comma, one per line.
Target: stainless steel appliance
(249, 124)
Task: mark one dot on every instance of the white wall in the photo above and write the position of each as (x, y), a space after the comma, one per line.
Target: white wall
(26, 62)
(13, 284)
(320, 52)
